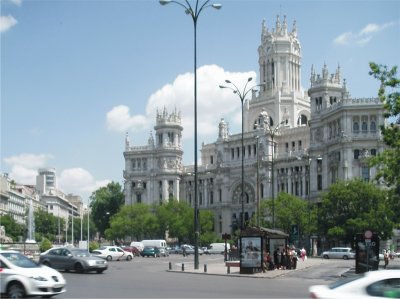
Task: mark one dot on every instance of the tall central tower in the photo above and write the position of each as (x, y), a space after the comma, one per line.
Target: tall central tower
(281, 97)
(279, 58)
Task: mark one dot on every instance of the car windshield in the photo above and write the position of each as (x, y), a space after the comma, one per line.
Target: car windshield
(19, 260)
(80, 253)
(344, 281)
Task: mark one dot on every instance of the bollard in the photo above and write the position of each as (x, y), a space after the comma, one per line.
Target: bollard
(183, 267)
(205, 268)
(170, 266)
(228, 270)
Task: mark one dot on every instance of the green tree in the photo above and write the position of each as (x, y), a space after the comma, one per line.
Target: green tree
(388, 161)
(46, 225)
(354, 206)
(45, 244)
(12, 228)
(207, 234)
(137, 221)
(104, 203)
(176, 217)
(289, 210)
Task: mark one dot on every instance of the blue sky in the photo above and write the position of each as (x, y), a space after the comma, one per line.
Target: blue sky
(77, 75)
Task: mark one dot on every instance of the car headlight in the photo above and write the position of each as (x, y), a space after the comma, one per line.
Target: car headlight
(91, 263)
(39, 278)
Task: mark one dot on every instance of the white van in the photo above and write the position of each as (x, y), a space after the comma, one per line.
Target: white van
(138, 245)
(155, 243)
(216, 248)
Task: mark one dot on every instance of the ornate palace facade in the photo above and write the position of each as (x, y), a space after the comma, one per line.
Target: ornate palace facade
(295, 141)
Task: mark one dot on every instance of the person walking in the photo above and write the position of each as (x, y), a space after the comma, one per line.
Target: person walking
(385, 258)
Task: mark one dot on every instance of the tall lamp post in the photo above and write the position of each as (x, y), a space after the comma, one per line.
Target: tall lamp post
(242, 95)
(194, 12)
(272, 132)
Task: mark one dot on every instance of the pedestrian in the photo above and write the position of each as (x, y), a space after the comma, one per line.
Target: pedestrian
(303, 253)
(283, 259)
(276, 258)
(184, 251)
(385, 258)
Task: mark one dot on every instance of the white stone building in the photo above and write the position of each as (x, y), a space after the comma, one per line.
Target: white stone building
(294, 141)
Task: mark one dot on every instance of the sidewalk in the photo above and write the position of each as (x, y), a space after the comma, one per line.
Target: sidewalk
(221, 269)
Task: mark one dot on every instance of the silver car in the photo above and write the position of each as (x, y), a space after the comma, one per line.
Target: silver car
(79, 260)
(339, 253)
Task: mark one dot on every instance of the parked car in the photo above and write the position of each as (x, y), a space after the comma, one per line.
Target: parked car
(163, 251)
(177, 250)
(218, 248)
(21, 277)
(132, 249)
(189, 249)
(339, 253)
(113, 253)
(150, 251)
(373, 284)
(76, 259)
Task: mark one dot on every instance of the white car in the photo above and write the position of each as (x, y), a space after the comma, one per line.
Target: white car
(113, 253)
(21, 277)
(373, 284)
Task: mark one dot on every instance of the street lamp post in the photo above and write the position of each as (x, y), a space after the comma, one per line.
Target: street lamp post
(88, 223)
(258, 182)
(242, 95)
(272, 132)
(194, 12)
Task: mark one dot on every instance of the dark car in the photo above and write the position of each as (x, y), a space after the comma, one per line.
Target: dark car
(67, 259)
(150, 251)
(131, 249)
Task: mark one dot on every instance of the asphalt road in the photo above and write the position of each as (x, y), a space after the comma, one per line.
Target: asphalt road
(149, 278)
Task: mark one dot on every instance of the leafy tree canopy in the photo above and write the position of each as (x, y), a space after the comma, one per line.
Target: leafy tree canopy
(104, 202)
(354, 206)
(388, 161)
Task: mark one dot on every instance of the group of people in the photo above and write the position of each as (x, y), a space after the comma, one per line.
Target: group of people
(284, 259)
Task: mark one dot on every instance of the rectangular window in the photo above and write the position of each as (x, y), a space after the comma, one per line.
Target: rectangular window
(356, 154)
(211, 159)
(365, 173)
(220, 195)
(233, 153)
(319, 182)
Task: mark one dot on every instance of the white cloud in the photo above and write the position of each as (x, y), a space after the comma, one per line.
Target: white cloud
(29, 160)
(15, 2)
(6, 22)
(79, 181)
(120, 120)
(24, 167)
(344, 38)
(364, 36)
(212, 102)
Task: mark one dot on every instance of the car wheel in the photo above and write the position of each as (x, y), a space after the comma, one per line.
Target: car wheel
(128, 258)
(345, 257)
(109, 258)
(16, 290)
(100, 271)
(79, 268)
(326, 256)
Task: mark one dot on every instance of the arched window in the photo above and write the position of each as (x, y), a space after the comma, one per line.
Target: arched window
(302, 120)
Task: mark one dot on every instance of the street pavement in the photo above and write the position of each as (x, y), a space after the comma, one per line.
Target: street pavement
(219, 268)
